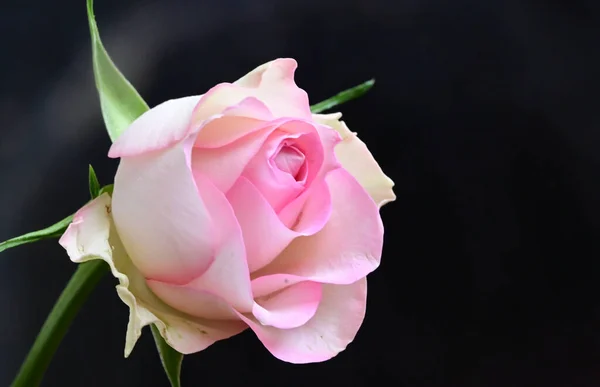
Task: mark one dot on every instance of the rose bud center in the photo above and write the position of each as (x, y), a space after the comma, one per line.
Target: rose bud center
(291, 160)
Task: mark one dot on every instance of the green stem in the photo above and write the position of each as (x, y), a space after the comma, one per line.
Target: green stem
(80, 286)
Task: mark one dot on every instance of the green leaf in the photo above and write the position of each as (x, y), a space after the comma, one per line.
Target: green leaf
(120, 102)
(343, 97)
(93, 183)
(106, 188)
(53, 231)
(170, 358)
(68, 304)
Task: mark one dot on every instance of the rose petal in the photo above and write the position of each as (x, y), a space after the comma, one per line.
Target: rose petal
(346, 249)
(156, 129)
(310, 211)
(223, 124)
(304, 212)
(290, 307)
(273, 83)
(191, 301)
(227, 281)
(169, 122)
(165, 226)
(92, 236)
(226, 96)
(264, 234)
(265, 285)
(277, 186)
(223, 159)
(224, 165)
(228, 276)
(355, 157)
(334, 326)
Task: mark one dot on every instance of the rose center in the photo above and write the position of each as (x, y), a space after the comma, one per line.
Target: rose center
(290, 160)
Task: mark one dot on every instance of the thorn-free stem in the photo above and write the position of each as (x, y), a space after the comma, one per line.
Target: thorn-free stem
(81, 284)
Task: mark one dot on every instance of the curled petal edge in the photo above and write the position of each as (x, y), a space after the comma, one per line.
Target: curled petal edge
(91, 236)
(356, 158)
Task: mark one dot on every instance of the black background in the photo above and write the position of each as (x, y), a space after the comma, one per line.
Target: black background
(485, 114)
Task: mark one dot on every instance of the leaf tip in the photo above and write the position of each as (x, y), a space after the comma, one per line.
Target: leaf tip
(94, 184)
(90, 10)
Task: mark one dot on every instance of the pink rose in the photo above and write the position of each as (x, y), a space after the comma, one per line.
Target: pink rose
(239, 208)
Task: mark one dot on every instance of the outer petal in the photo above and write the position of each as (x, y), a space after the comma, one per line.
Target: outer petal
(285, 301)
(191, 301)
(333, 327)
(273, 83)
(158, 128)
(227, 114)
(166, 124)
(290, 307)
(163, 222)
(265, 285)
(227, 278)
(92, 236)
(356, 159)
(268, 91)
(346, 249)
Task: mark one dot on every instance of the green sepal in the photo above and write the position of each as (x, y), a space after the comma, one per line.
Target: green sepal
(342, 97)
(54, 231)
(120, 102)
(93, 183)
(169, 357)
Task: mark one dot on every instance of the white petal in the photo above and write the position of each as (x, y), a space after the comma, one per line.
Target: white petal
(356, 158)
(92, 236)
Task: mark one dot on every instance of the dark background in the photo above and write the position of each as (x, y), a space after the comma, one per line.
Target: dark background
(485, 114)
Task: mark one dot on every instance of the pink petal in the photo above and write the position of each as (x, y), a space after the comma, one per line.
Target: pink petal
(222, 123)
(277, 186)
(347, 248)
(265, 285)
(191, 301)
(273, 83)
(228, 277)
(308, 213)
(224, 159)
(306, 206)
(290, 160)
(334, 326)
(290, 307)
(224, 165)
(163, 222)
(267, 234)
(157, 129)
(264, 234)
(330, 139)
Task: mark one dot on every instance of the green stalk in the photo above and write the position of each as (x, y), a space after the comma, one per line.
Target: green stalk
(78, 289)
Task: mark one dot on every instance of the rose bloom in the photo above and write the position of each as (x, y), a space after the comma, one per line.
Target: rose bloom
(240, 209)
